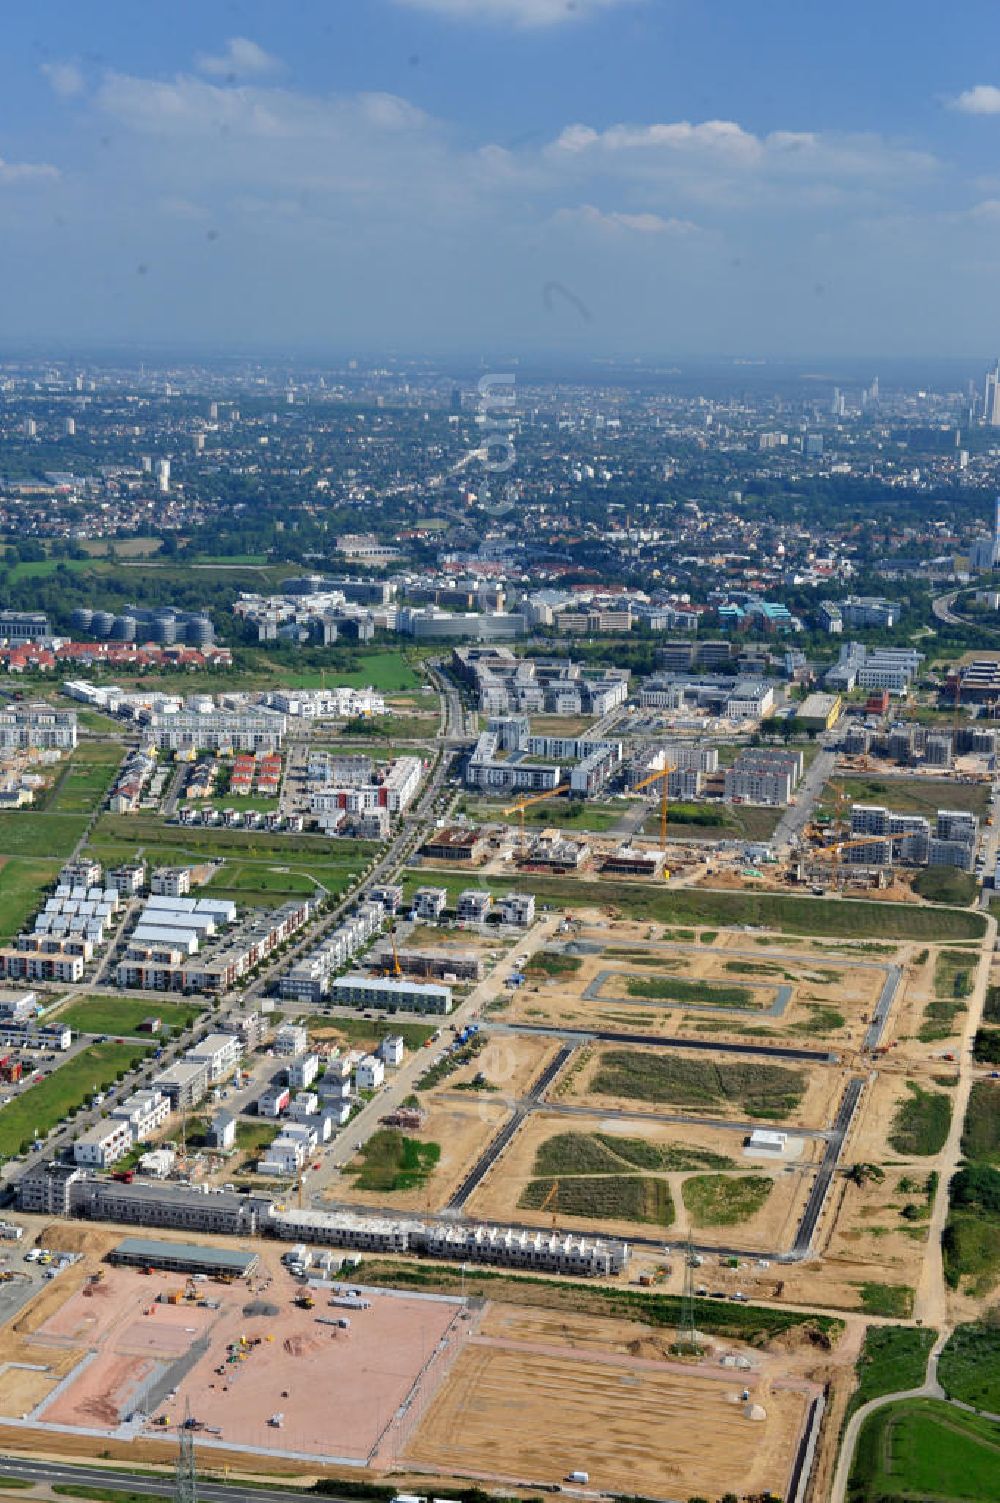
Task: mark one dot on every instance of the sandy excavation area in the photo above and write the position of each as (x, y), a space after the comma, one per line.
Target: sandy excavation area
(460, 1128)
(256, 1356)
(531, 1413)
(510, 1063)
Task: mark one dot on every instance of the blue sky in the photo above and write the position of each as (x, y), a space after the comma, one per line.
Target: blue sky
(631, 177)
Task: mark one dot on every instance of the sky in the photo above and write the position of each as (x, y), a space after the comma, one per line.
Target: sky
(647, 179)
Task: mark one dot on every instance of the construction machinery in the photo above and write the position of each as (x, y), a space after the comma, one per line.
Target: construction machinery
(663, 778)
(526, 803)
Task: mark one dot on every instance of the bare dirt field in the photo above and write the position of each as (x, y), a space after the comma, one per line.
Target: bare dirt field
(461, 1128)
(237, 1366)
(510, 1062)
(787, 994)
(532, 1413)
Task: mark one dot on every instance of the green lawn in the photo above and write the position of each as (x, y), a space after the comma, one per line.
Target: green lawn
(892, 1300)
(910, 795)
(582, 1153)
(369, 1031)
(707, 993)
(921, 1122)
(725, 1200)
(124, 1014)
(833, 917)
(42, 1106)
(928, 1452)
(969, 1368)
(22, 884)
(981, 1132)
(25, 833)
(892, 1359)
(389, 1161)
(81, 785)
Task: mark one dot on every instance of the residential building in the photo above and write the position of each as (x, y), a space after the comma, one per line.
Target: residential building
(391, 994)
(103, 1144)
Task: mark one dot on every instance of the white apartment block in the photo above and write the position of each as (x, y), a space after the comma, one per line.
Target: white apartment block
(220, 1052)
(145, 1112)
(212, 729)
(369, 1073)
(303, 1071)
(291, 1039)
(338, 703)
(518, 908)
(37, 727)
(103, 1144)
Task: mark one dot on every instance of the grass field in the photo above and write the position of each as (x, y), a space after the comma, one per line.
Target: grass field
(893, 1300)
(981, 1132)
(724, 1200)
(969, 1368)
(369, 1031)
(971, 1241)
(39, 1108)
(708, 993)
(928, 1452)
(761, 1090)
(582, 1153)
(150, 832)
(911, 795)
(124, 1014)
(389, 1161)
(560, 813)
(854, 918)
(552, 963)
(954, 975)
(892, 1359)
(613, 1197)
(81, 785)
(21, 886)
(921, 1123)
(25, 833)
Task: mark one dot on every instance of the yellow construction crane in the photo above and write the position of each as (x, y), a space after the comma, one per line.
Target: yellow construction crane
(526, 803)
(663, 778)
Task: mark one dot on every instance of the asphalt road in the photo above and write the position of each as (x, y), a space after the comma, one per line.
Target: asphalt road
(827, 1168)
(44, 1473)
(667, 1041)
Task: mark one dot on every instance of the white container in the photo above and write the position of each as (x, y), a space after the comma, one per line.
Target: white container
(578, 1477)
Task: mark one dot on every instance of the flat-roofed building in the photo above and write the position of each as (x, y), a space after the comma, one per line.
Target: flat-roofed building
(391, 994)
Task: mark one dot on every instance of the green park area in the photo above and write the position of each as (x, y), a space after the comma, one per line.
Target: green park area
(892, 1360)
(921, 1121)
(969, 1367)
(926, 1450)
(84, 778)
(40, 1107)
(24, 832)
(122, 1015)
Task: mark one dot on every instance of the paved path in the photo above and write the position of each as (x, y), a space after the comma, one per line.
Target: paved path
(930, 1388)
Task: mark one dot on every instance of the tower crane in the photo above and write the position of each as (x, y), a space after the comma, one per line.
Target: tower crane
(526, 803)
(663, 778)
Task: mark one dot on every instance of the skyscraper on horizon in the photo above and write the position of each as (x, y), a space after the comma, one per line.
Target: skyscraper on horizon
(991, 398)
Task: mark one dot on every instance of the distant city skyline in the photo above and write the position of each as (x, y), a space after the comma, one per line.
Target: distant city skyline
(601, 178)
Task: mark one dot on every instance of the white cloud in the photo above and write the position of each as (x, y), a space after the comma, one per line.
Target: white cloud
(26, 172)
(984, 99)
(242, 58)
(65, 79)
(523, 13)
(640, 223)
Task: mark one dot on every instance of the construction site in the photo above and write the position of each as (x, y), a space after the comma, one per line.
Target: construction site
(271, 1366)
